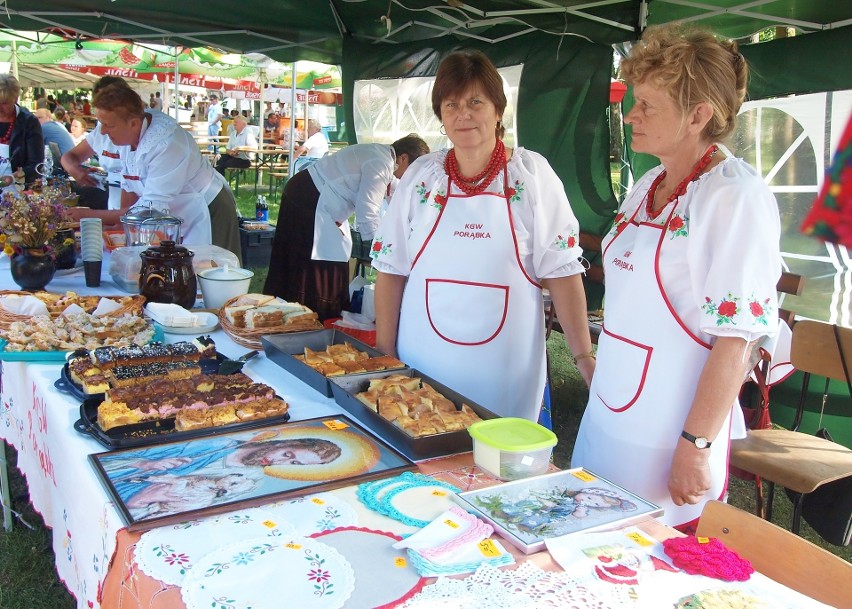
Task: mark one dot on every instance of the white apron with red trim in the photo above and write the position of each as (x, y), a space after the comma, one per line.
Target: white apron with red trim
(647, 372)
(471, 317)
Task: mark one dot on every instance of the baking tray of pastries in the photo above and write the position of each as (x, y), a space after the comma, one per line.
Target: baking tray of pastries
(317, 356)
(66, 384)
(154, 432)
(417, 414)
(164, 410)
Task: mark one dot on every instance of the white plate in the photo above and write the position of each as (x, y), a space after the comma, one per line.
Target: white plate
(207, 323)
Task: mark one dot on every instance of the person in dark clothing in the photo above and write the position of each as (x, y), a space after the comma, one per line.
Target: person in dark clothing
(21, 141)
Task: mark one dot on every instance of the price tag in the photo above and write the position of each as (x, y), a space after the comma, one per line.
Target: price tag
(269, 524)
(584, 476)
(640, 539)
(335, 425)
(450, 523)
(400, 562)
(317, 500)
(293, 546)
(526, 460)
(439, 493)
(488, 548)
(703, 539)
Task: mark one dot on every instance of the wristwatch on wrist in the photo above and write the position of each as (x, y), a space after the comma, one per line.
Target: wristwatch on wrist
(700, 441)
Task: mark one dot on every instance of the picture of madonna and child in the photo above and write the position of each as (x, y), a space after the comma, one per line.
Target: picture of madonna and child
(554, 511)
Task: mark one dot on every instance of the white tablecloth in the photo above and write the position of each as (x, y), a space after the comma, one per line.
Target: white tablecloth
(38, 420)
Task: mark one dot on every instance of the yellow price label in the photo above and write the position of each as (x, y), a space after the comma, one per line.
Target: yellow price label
(317, 500)
(488, 548)
(293, 546)
(703, 539)
(640, 539)
(335, 425)
(269, 524)
(584, 476)
(439, 493)
(451, 523)
(400, 562)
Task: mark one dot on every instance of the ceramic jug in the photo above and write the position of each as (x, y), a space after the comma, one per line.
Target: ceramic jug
(167, 275)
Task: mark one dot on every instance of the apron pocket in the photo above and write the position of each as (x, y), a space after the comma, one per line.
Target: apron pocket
(464, 312)
(629, 362)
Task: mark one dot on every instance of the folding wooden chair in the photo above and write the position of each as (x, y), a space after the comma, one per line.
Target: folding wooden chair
(779, 554)
(801, 462)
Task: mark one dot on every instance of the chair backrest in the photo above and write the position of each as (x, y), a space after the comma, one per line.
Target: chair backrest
(779, 554)
(815, 349)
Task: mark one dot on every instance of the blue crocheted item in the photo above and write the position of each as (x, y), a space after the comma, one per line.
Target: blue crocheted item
(369, 491)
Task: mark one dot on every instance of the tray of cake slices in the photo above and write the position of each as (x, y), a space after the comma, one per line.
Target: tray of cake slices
(417, 414)
(315, 357)
(155, 393)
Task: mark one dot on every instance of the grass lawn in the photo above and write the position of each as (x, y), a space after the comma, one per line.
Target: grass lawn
(27, 576)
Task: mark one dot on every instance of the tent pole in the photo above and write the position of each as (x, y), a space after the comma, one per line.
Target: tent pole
(177, 82)
(15, 59)
(291, 160)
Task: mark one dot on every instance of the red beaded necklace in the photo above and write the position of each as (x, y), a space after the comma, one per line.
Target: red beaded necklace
(8, 135)
(478, 183)
(700, 166)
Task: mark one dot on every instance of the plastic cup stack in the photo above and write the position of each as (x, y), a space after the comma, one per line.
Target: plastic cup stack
(92, 249)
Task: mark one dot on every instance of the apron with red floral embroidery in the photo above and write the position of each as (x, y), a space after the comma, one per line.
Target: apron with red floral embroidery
(647, 371)
(471, 317)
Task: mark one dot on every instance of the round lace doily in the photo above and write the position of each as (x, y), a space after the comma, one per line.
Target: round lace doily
(169, 553)
(264, 573)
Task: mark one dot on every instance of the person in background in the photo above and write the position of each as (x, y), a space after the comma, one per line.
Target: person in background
(51, 103)
(78, 131)
(97, 144)
(311, 249)
(87, 107)
(157, 102)
(214, 118)
(315, 147)
(240, 136)
(151, 103)
(53, 132)
(471, 236)
(690, 282)
(162, 165)
(21, 140)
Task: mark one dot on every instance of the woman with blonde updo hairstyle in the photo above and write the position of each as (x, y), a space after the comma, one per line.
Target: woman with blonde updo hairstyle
(691, 265)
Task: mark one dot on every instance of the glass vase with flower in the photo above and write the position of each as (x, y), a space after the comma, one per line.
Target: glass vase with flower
(29, 222)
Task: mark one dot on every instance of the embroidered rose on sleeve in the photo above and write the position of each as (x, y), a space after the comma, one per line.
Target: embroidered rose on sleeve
(420, 189)
(440, 200)
(380, 248)
(677, 227)
(565, 243)
(514, 192)
(619, 224)
(759, 310)
(724, 311)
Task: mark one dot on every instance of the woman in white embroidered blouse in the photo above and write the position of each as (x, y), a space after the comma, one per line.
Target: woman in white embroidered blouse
(162, 164)
(691, 266)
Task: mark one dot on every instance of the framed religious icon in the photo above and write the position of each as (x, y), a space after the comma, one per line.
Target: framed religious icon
(528, 511)
(181, 480)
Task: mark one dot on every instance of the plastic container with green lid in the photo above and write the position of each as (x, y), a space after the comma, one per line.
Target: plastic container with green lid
(510, 448)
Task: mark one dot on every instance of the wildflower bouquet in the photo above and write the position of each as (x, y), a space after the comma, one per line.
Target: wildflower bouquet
(30, 220)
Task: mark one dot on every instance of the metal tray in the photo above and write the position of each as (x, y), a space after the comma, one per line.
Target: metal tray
(152, 432)
(424, 447)
(281, 348)
(66, 384)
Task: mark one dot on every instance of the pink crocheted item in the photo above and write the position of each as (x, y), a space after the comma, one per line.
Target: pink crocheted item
(707, 557)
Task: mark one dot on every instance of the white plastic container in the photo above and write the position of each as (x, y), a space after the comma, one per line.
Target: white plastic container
(221, 284)
(510, 448)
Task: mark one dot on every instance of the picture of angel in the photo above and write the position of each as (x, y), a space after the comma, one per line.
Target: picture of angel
(184, 479)
(528, 511)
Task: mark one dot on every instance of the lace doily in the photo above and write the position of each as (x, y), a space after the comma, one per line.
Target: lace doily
(169, 553)
(380, 496)
(264, 573)
(527, 587)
